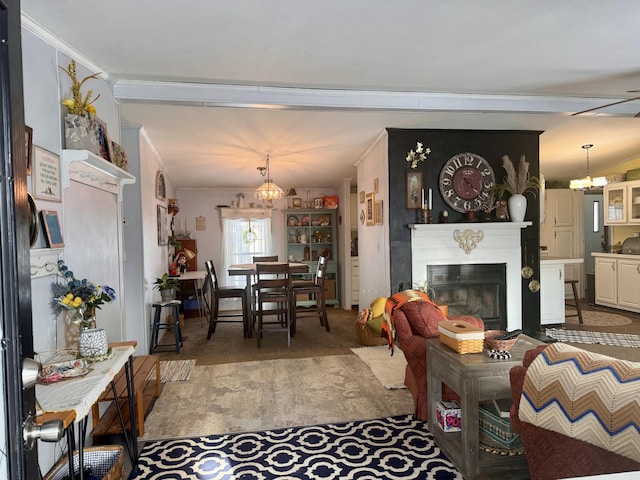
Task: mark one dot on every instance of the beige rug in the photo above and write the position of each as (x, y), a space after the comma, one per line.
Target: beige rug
(173, 371)
(598, 319)
(253, 396)
(388, 369)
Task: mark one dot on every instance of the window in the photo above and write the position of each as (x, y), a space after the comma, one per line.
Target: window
(243, 239)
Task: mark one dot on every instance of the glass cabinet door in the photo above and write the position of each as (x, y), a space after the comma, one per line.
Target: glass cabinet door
(614, 204)
(634, 202)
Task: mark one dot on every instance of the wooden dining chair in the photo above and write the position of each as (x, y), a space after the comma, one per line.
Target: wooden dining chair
(219, 292)
(316, 290)
(274, 299)
(254, 288)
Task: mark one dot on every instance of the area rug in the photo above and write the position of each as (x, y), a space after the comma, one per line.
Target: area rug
(397, 447)
(173, 371)
(597, 319)
(268, 394)
(388, 369)
(603, 338)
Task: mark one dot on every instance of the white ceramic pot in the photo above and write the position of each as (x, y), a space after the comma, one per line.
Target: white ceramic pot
(517, 207)
(93, 342)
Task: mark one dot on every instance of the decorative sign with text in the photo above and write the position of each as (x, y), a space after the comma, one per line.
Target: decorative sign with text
(46, 175)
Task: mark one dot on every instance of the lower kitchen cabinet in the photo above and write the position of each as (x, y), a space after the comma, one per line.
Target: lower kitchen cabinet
(618, 281)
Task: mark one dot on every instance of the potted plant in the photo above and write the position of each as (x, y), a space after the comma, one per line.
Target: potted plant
(167, 285)
(517, 183)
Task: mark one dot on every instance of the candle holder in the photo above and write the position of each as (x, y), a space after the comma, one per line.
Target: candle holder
(427, 216)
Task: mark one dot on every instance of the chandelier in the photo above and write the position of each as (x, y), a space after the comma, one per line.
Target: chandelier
(587, 182)
(268, 191)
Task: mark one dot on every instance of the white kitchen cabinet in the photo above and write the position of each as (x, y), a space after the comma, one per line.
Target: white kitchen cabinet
(622, 203)
(618, 281)
(561, 233)
(551, 293)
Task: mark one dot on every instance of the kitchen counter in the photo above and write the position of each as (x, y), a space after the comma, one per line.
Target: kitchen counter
(622, 256)
(544, 260)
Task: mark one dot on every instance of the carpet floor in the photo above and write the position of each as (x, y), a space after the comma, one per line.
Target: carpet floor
(390, 448)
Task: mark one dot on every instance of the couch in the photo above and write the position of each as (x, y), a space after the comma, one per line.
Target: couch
(599, 435)
(414, 323)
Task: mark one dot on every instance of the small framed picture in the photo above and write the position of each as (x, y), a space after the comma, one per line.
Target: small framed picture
(369, 206)
(46, 175)
(296, 202)
(161, 186)
(163, 238)
(362, 196)
(318, 203)
(28, 144)
(52, 229)
(375, 185)
(414, 190)
(377, 213)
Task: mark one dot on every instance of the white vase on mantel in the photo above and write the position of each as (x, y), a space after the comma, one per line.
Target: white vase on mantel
(517, 207)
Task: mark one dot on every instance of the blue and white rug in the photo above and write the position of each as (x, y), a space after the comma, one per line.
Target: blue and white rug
(391, 448)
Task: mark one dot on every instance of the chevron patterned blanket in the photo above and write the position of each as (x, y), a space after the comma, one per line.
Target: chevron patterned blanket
(586, 396)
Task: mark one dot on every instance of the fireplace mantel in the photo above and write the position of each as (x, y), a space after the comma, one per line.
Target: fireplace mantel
(472, 243)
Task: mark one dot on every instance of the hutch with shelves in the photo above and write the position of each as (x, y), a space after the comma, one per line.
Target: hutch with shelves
(310, 233)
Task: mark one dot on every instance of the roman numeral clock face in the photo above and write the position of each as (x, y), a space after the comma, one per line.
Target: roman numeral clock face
(465, 181)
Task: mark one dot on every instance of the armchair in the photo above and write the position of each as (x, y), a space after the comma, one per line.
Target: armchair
(414, 322)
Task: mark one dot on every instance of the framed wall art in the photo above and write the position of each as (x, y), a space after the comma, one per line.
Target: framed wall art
(362, 196)
(376, 185)
(318, 203)
(52, 229)
(296, 202)
(161, 186)
(377, 212)
(46, 175)
(28, 146)
(413, 190)
(370, 200)
(163, 238)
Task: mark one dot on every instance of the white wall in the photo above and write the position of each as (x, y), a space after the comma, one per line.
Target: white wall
(373, 241)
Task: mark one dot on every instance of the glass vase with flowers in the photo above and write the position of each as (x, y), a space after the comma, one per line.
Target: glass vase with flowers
(78, 300)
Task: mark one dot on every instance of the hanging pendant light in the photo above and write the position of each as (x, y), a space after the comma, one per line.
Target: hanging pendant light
(268, 191)
(587, 182)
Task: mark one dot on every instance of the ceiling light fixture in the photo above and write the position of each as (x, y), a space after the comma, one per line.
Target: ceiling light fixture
(587, 183)
(268, 191)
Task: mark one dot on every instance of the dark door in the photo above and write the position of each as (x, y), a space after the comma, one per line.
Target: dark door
(15, 280)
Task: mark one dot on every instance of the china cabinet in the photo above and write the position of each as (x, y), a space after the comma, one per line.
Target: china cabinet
(310, 233)
(622, 203)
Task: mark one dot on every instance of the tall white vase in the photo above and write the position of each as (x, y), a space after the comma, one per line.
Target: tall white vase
(517, 207)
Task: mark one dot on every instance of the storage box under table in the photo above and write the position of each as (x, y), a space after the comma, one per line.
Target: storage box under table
(496, 431)
(461, 336)
(448, 416)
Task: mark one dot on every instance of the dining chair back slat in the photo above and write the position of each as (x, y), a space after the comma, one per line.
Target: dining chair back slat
(273, 289)
(315, 289)
(218, 292)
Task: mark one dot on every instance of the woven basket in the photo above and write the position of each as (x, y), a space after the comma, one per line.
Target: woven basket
(106, 462)
(462, 346)
(496, 431)
(368, 337)
(493, 344)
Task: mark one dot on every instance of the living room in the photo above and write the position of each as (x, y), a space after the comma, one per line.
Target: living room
(45, 85)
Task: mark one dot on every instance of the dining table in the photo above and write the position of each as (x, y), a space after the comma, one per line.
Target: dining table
(198, 277)
(249, 270)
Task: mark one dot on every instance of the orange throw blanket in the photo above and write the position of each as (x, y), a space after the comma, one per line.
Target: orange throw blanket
(397, 301)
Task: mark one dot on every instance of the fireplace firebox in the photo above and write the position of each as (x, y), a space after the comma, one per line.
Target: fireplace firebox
(476, 289)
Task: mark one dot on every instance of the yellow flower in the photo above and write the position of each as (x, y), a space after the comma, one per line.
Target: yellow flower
(66, 300)
(91, 109)
(76, 302)
(80, 103)
(68, 102)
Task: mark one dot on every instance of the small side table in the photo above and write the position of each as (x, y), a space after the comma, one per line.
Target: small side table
(475, 377)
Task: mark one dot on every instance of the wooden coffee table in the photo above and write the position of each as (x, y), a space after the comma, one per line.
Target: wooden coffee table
(475, 377)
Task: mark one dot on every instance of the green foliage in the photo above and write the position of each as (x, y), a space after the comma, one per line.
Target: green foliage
(167, 283)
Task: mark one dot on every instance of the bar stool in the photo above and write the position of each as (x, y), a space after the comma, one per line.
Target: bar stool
(174, 308)
(575, 299)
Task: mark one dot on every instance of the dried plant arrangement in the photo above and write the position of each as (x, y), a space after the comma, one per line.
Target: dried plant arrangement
(516, 181)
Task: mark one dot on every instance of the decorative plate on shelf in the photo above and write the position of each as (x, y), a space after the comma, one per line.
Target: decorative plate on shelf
(292, 221)
(324, 221)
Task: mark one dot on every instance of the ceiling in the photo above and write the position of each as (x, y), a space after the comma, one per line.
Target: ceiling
(220, 84)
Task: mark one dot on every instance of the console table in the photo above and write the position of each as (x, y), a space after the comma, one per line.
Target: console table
(475, 377)
(79, 395)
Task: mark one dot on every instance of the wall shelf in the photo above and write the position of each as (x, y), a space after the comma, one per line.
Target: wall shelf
(86, 167)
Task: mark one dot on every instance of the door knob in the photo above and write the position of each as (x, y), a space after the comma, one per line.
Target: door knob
(30, 372)
(51, 431)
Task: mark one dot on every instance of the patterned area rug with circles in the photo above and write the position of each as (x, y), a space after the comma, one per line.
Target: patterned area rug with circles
(390, 448)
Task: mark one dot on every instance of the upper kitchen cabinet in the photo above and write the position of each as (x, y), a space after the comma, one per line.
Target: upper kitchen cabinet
(622, 203)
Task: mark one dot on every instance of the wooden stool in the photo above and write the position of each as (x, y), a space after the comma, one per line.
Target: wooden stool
(174, 323)
(575, 299)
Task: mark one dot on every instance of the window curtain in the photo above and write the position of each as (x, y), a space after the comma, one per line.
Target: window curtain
(246, 233)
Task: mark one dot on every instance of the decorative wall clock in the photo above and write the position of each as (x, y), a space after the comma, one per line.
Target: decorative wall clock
(161, 186)
(465, 181)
